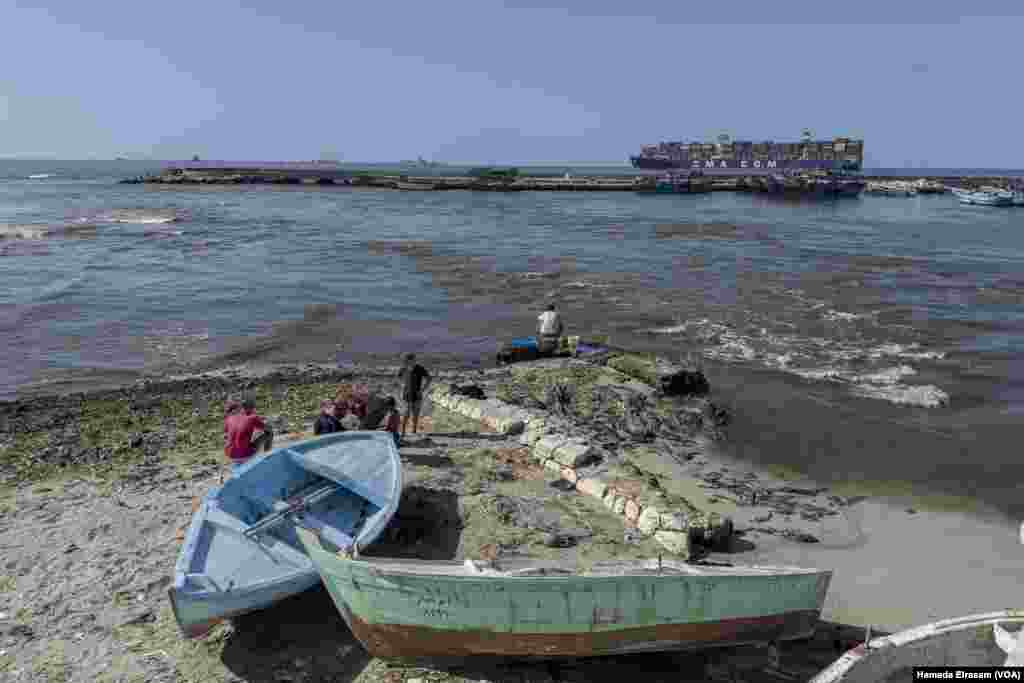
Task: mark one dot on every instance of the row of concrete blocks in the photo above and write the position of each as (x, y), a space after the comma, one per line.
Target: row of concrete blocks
(564, 454)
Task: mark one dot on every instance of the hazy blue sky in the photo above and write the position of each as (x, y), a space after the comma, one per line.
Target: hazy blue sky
(930, 82)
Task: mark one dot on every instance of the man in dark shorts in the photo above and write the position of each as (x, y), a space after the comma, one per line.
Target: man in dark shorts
(417, 379)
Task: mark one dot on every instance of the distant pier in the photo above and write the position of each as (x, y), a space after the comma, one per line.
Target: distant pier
(327, 174)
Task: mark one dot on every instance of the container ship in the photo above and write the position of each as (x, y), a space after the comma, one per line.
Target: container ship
(728, 156)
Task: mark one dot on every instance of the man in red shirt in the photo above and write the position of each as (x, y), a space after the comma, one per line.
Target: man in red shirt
(238, 430)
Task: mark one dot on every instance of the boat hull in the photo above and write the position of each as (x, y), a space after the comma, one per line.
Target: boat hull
(402, 642)
(961, 642)
(439, 616)
(196, 615)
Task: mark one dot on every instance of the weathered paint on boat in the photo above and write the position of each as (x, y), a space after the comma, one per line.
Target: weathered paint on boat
(962, 642)
(407, 609)
(241, 553)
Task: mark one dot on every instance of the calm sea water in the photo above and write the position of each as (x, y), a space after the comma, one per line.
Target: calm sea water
(915, 304)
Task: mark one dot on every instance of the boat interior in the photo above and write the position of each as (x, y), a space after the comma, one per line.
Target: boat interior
(245, 535)
(966, 642)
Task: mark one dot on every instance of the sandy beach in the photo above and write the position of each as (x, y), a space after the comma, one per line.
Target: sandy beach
(91, 515)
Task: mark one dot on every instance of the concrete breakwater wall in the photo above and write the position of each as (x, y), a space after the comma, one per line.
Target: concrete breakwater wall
(520, 184)
(578, 458)
(413, 183)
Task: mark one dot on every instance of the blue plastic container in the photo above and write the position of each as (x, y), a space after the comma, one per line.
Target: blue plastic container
(524, 343)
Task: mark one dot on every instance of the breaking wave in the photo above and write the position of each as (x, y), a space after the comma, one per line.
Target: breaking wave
(865, 368)
(40, 231)
(142, 216)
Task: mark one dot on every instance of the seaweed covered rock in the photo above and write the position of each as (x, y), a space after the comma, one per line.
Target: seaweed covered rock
(558, 398)
(670, 379)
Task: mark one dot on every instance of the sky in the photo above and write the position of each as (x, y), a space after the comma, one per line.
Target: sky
(924, 83)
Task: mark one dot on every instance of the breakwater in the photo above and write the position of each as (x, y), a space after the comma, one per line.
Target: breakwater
(591, 183)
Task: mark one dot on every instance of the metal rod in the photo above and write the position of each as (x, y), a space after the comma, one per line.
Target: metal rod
(278, 517)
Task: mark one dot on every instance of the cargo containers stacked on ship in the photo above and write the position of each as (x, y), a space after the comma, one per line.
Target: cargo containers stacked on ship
(754, 158)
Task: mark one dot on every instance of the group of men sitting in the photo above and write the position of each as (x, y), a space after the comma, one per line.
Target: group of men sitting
(350, 410)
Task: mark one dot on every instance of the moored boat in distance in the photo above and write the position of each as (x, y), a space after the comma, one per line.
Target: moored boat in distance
(980, 640)
(892, 189)
(528, 609)
(415, 185)
(674, 182)
(986, 198)
(925, 186)
(241, 553)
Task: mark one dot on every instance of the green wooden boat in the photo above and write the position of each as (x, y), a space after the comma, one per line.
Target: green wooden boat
(428, 610)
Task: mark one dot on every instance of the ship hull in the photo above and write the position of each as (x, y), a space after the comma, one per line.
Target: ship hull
(751, 165)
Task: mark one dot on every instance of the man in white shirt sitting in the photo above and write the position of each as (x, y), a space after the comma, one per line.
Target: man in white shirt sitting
(549, 329)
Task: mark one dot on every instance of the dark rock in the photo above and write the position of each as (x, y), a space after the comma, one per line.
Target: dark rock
(715, 414)
(468, 390)
(141, 616)
(504, 473)
(800, 536)
(684, 383)
(559, 540)
(21, 631)
(559, 399)
(562, 485)
(801, 491)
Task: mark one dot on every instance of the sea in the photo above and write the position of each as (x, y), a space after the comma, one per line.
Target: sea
(876, 342)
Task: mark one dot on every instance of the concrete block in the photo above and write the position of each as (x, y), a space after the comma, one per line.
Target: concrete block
(514, 427)
(676, 542)
(569, 474)
(592, 486)
(554, 466)
(675, 521)
(573, 453)
(519, 414)
(611, 499)
(548, 444)
(619, 507)
(632, 510)
(471, 409)
(649, 520)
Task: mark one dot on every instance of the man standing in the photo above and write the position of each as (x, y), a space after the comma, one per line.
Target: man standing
(549, 329)
(238, 430)
(417, 379)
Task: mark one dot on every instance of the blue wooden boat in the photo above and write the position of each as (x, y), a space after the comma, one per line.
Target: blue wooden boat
(241, 552)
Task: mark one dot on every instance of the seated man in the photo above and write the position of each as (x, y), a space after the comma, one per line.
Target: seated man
(549, 329)
(328, 422)
(238, 431)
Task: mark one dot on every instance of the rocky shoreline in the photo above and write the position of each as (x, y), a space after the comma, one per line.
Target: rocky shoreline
(569, 458)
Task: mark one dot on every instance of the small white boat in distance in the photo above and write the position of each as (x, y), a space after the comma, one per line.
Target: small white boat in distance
(40, 176)
(925, 186)
(992, 639)
(987, 198)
